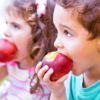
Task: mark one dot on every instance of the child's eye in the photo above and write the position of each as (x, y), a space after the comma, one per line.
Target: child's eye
(67, 33)
(6, 22)
(56, 31)
(16, 27)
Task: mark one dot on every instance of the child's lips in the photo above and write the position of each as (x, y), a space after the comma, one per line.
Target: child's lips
(72, 67)
(16, 54)
(63, 54)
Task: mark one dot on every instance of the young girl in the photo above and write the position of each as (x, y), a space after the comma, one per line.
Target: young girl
(29, 27)
(78, 25)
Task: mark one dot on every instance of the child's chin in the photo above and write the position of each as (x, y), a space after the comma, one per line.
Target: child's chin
(75, 73)
(16, 57)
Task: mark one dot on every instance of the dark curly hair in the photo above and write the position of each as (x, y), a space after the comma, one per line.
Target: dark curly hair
(43, 30)
(88, 14)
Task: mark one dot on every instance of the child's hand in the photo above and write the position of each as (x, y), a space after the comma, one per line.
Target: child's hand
(3, 71)
(56, 87)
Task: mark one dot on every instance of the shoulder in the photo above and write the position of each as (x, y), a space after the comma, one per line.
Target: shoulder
(11, 66)
(73, 79)
(12, 63)
(72, 84)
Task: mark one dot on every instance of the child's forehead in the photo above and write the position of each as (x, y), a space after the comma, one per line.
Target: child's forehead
(14, 12)
(65, 19)
(66, 13)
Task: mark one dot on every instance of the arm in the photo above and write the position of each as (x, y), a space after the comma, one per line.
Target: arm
(57, 87)
(3, 72)
(53, 97)
(59, 94)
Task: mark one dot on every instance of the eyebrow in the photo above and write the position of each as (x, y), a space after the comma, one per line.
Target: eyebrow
(14, 23)
(67, 27)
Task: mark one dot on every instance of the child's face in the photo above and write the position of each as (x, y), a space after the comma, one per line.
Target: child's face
(72, 41)
(18, 32)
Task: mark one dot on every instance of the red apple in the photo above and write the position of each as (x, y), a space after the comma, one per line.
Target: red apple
(60, 63)
(7, 50)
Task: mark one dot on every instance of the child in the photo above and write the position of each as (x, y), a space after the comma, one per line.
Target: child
(29, 27)
(78, 25)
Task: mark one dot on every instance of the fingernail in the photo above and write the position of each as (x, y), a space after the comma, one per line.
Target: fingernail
(40, 62)
(51, 69)
(46, 66)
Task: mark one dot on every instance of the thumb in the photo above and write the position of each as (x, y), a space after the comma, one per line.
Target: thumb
(62, 79)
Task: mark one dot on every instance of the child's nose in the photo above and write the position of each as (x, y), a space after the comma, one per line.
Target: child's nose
(58, 43)
(7, 33)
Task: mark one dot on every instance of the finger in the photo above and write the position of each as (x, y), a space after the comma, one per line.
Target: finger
(42, 71)
(62, 79)
(38, 66)
(47, 75)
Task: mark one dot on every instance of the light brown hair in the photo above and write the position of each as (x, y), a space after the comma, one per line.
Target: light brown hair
(88, 14)
(43, 30)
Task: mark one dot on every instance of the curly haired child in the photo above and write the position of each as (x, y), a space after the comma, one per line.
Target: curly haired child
(29, 27)
(78, 26)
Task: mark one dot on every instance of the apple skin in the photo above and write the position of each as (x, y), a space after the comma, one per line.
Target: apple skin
(61, 65)
(7, 51)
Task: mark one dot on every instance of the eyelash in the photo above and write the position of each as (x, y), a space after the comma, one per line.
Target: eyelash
(6, 22)
(15, 26)
(67, 33)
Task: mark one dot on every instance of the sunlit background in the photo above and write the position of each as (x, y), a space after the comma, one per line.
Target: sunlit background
(2, 20)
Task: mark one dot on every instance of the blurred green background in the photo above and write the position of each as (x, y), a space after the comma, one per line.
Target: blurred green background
(7, 78)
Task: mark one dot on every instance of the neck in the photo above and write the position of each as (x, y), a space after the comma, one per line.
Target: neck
(91, 76)
(25, 63)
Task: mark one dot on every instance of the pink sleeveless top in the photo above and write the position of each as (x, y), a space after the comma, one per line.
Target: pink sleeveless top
(20, 84)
